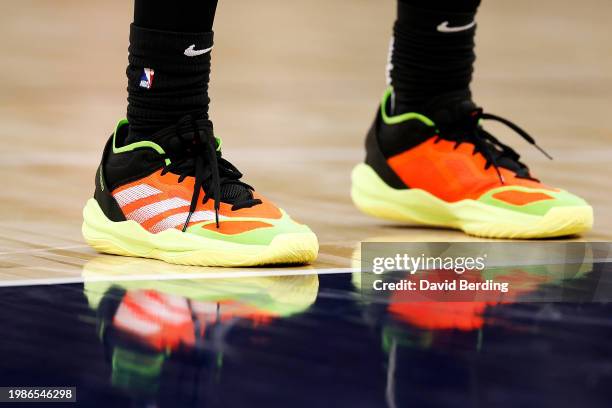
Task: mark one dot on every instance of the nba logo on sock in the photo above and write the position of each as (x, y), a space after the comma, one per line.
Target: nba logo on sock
(146, 79)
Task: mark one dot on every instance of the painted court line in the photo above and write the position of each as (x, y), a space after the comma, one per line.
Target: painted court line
(169, 277)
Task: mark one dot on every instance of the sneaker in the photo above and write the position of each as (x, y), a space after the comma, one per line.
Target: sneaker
(447, 171)
(174, 198)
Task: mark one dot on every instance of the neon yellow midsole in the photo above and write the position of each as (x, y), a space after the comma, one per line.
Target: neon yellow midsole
(374, 197)
(129, 238)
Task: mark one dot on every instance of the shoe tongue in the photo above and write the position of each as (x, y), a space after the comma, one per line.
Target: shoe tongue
(458, 114)
(164, 137)
(167, 137)
(453, 112)
(231, 193)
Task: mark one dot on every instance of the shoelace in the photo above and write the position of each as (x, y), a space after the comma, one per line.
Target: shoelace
(197, 155)
(491, 148)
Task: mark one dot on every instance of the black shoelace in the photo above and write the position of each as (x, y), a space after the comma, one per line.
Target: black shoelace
(488, 145)
(193, 152)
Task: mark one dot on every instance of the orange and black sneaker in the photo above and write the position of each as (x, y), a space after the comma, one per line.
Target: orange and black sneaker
(174, 198)
(446, 170)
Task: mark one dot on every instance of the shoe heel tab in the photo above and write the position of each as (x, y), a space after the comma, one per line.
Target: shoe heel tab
(394, 120)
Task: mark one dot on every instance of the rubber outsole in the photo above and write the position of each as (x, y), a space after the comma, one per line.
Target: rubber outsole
(374, 197)
(128, 238)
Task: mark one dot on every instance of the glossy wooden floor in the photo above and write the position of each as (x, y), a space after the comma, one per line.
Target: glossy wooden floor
(295, 85)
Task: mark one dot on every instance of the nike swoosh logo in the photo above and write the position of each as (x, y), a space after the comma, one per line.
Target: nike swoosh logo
(444, 27)
(192, 52)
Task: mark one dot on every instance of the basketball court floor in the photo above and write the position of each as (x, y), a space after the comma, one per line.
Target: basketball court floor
(294, 87)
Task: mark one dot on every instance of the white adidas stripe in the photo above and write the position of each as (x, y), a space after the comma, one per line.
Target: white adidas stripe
(149, 211)
(125, 317)
(129, 195)
(161, 309)
(179, 219)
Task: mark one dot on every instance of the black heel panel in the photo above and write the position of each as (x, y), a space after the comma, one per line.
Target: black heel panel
(376, 159)
(102, 195)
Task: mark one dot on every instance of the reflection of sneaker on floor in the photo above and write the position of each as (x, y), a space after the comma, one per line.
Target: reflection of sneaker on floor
(176, 199)
(269, 296)
(159, 333)
(446, 170)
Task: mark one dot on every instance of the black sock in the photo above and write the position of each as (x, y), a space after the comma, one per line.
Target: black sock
(169, 64)
(185, 16)
(432, 52)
